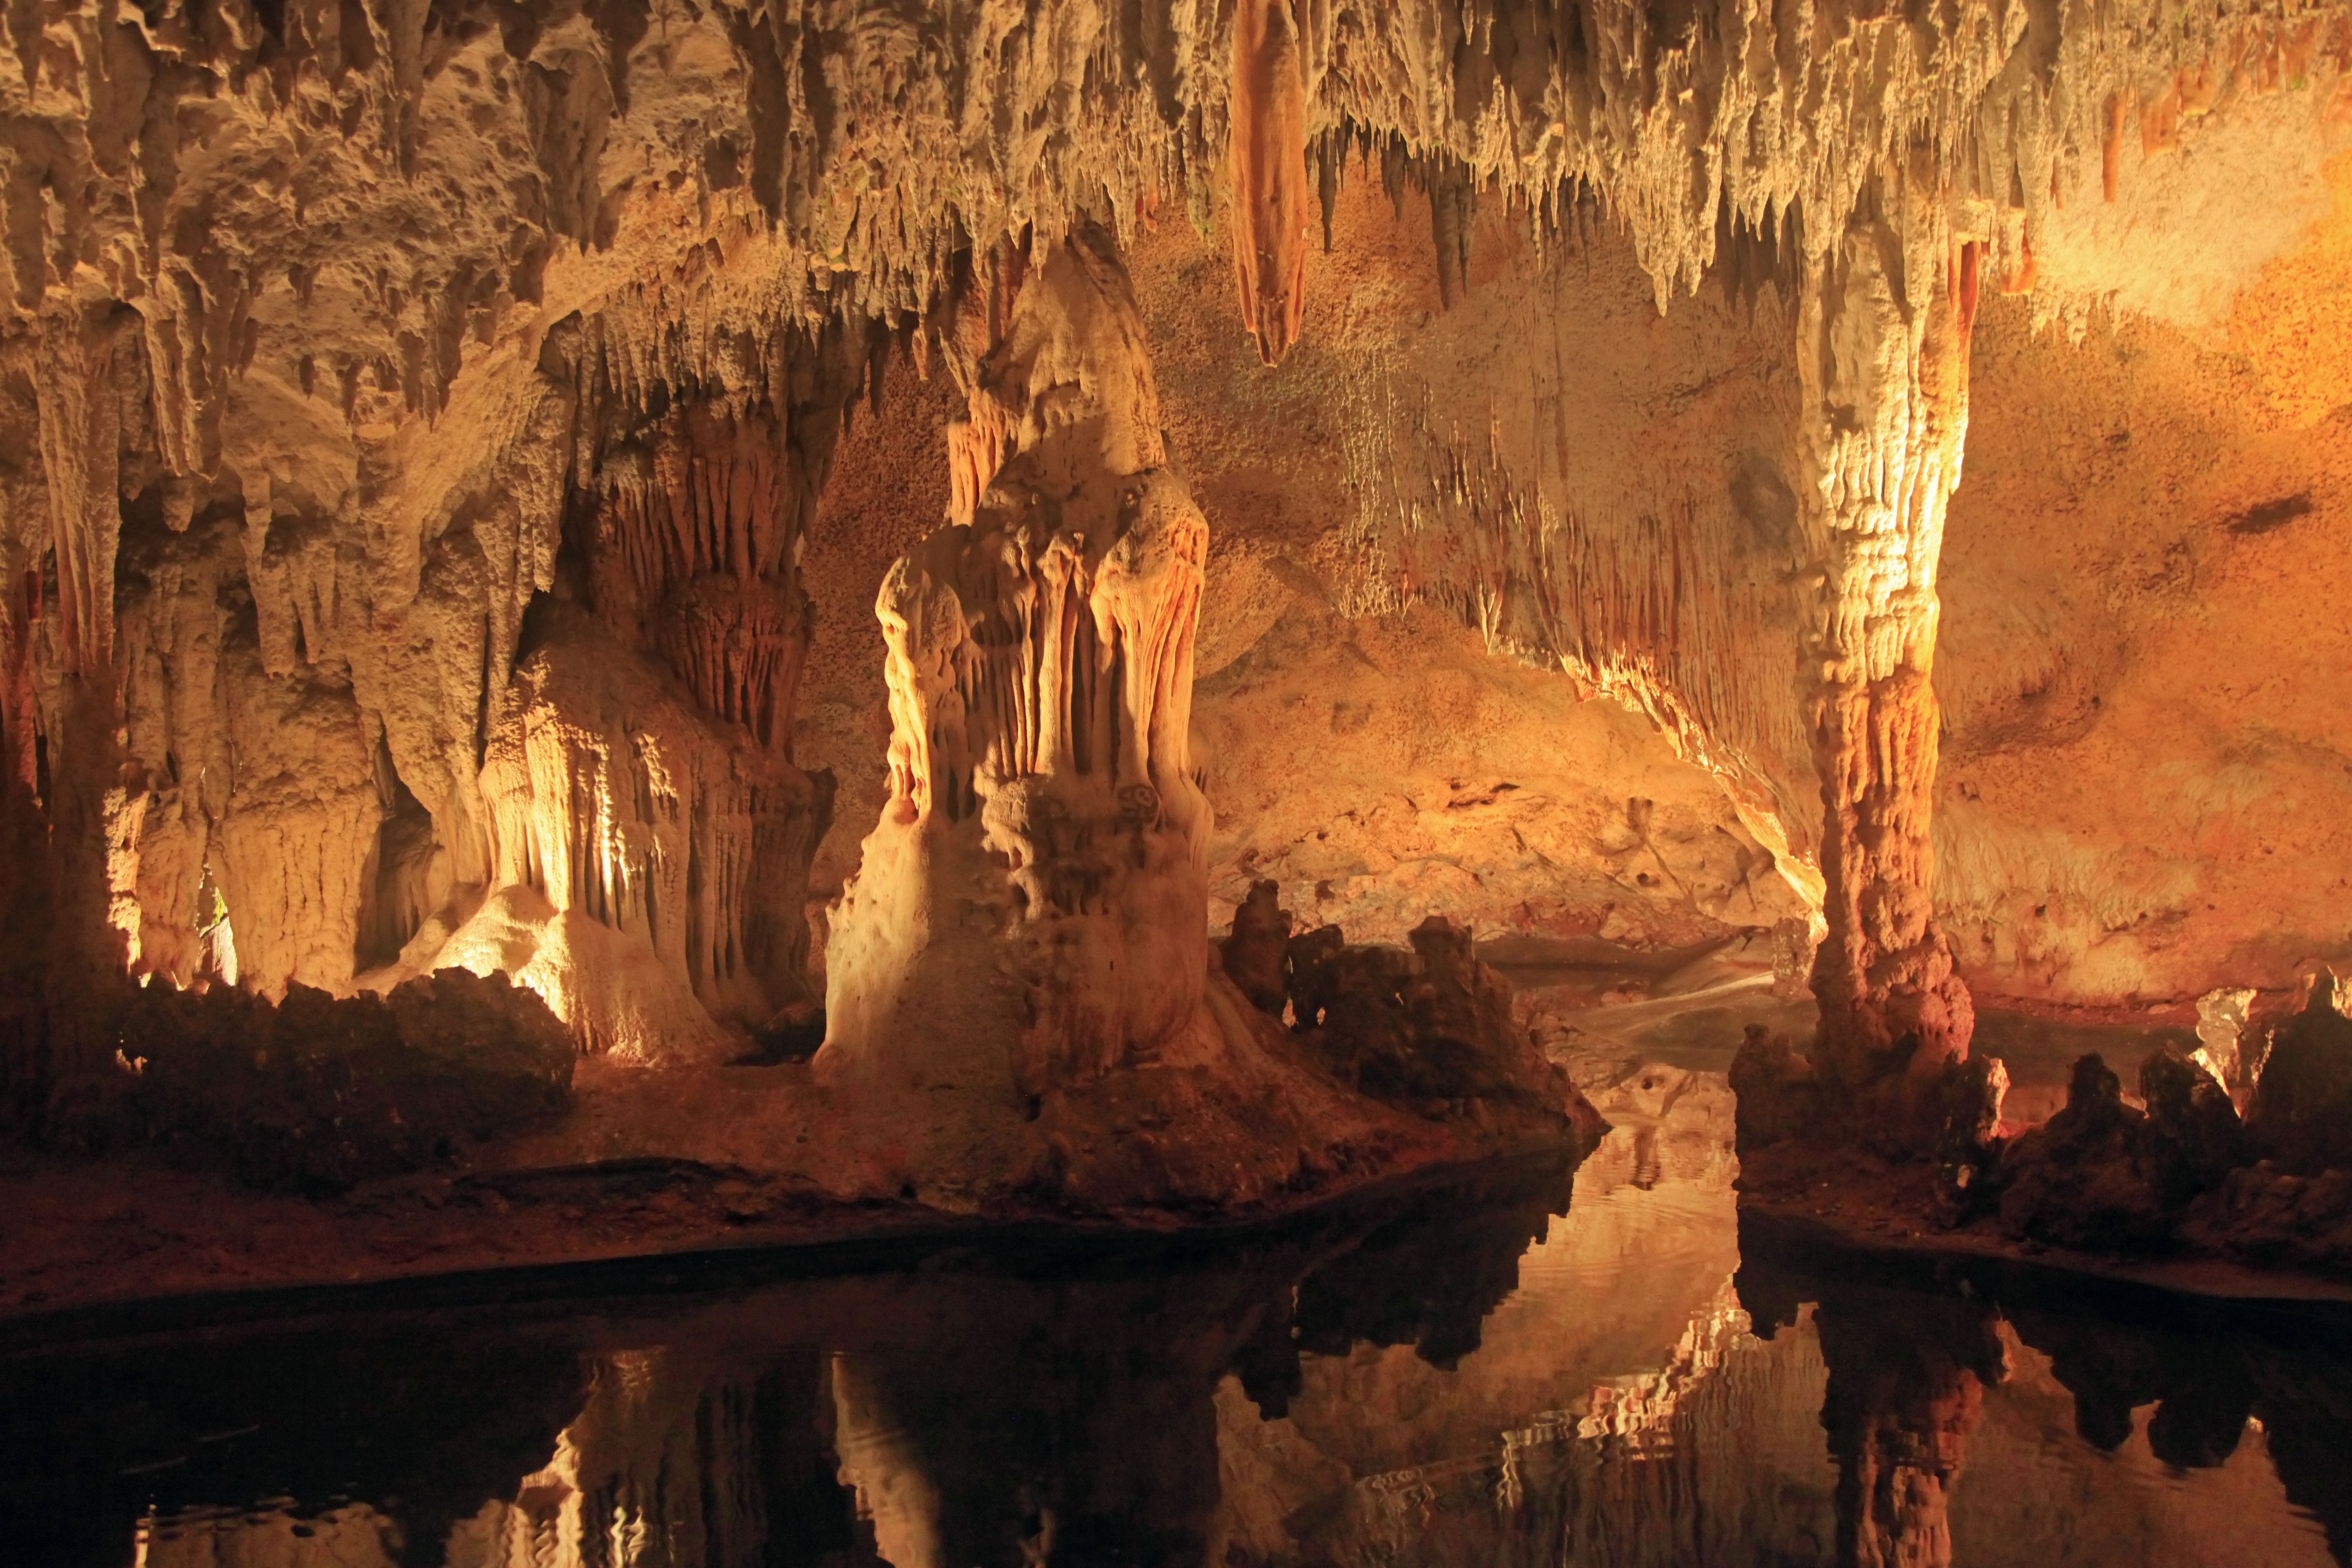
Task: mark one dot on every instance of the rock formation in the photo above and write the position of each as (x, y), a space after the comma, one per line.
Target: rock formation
(1038, 876)
(1882, 358)
(415, 420)
(1027, 931)
(317, 1094)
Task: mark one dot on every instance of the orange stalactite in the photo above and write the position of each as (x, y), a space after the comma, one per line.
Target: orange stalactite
(1270, 196)
(2111, 149)
(691, 556)
(2020, 278)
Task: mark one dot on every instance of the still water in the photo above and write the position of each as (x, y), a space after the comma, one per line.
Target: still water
(1539, 1366)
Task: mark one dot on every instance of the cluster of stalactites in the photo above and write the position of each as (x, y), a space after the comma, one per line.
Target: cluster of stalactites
(691, 553)
(1027, 124)
(1030, 652)
(699, 448)
(1766, 131)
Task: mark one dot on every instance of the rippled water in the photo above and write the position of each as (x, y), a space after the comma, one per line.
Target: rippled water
(1488, 1375)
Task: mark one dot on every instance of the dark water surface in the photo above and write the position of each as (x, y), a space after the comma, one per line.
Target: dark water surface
(1486, 1374)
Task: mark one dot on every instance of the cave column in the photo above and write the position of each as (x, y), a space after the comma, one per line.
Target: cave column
(1882, 357)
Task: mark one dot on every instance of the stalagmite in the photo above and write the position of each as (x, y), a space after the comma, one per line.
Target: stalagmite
(1883, 355)
(1039, 873)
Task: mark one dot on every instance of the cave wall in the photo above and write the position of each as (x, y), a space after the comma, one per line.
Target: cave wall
(2141, 654)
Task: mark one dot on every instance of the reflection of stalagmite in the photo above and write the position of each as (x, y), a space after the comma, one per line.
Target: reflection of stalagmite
(1039, 872)
(882, 1461)
(1906, 1391)
(672, 1459)
(1883, 354)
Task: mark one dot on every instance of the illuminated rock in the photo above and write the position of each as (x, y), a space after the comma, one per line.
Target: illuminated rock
(1039, 876)
(341, 354)
(1882, 336)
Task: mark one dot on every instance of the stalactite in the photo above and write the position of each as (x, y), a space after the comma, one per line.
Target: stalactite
(1452, 217)
(691, 553)
(1269, 173)
(81, 436)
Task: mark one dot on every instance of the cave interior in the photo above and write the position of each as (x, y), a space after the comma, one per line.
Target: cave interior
(629, 626)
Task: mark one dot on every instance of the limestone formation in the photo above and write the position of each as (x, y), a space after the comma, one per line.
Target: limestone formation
(1428, 1028)
(2302, 1113)
(1882, 334)
(1256, 956)
(1038, 876)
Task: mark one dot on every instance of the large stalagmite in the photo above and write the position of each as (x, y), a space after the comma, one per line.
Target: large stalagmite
(1032, 909)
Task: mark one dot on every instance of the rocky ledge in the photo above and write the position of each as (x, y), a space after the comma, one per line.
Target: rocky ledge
(2238, 1158)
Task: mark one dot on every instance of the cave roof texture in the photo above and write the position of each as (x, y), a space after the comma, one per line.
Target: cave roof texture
(449, 450)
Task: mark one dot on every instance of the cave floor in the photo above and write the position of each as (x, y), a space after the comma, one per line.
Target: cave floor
(647, 1164)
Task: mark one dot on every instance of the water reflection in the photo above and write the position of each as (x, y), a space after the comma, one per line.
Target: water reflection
(1487, 1374)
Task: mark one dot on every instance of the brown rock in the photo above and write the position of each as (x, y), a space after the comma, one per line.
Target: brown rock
(2301, 1115)
(2073, 1182)
(2193, 1138)
(1968, 1100)
(1779, 1094)
(1428, 1029)
(1258, 954)
(317, 1092)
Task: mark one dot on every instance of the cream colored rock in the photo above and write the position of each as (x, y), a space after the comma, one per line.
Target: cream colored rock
(1037, 882)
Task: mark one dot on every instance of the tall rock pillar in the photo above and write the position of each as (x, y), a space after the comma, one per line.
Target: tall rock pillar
(1883, 355)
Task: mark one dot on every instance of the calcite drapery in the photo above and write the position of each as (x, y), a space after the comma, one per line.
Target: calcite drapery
(1039, 871)
(652, 859)
(650, 840)
(1883, 352)
(692, 553)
